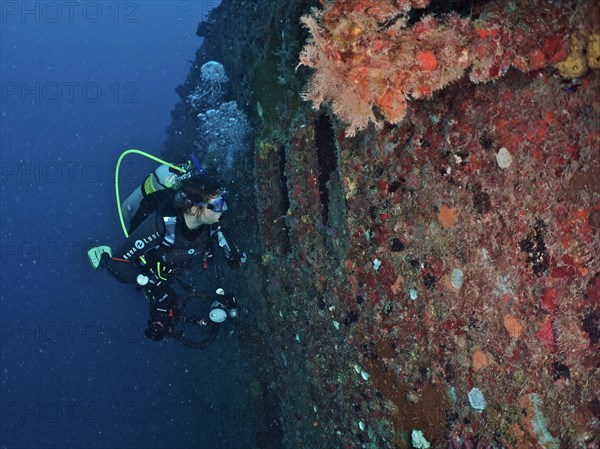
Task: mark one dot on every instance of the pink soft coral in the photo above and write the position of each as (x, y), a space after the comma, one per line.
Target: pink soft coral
(365, 55)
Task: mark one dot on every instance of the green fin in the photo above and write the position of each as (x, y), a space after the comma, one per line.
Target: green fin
(95, 254)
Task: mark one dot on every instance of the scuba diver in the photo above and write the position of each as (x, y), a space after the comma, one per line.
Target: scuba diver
(171, 222)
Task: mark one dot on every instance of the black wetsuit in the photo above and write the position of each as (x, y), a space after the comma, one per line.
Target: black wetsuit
(162, 247)
(166, 244)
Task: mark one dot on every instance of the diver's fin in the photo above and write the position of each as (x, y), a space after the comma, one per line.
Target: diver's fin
(95, 254)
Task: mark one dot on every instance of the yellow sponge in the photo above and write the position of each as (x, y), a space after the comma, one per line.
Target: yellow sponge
(575, 65)
(593, 51)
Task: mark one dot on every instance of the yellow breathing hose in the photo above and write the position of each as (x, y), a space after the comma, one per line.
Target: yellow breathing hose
(118, 166)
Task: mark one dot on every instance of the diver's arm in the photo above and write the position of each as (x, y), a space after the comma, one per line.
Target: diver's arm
(124, 271)
(234, 257)
(149, 234)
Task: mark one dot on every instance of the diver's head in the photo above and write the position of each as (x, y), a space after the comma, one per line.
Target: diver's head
(155, 331)
(201, 198)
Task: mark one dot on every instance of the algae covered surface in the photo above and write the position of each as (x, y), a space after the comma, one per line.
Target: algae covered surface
(429, 279)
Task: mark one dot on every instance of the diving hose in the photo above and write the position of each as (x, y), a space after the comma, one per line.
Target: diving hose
(117, 168)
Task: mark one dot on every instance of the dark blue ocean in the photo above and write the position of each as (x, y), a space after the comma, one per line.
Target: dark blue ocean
(81, 82)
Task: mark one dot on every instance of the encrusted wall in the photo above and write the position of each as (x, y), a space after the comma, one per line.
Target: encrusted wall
(439, 274)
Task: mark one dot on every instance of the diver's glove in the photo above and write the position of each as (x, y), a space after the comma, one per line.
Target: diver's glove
(104, 259)
(123, 270)
(99, 256)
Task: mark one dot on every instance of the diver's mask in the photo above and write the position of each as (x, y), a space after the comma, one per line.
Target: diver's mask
(218, 204)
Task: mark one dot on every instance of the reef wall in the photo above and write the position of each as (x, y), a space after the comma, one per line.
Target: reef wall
(435, 280)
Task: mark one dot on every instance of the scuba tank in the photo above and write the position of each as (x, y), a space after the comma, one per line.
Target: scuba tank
(166, 177)
(162, 178)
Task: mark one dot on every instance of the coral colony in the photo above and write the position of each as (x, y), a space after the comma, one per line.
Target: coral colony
(365, 55)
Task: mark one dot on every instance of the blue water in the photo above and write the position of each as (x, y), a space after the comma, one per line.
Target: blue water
(80, 83)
